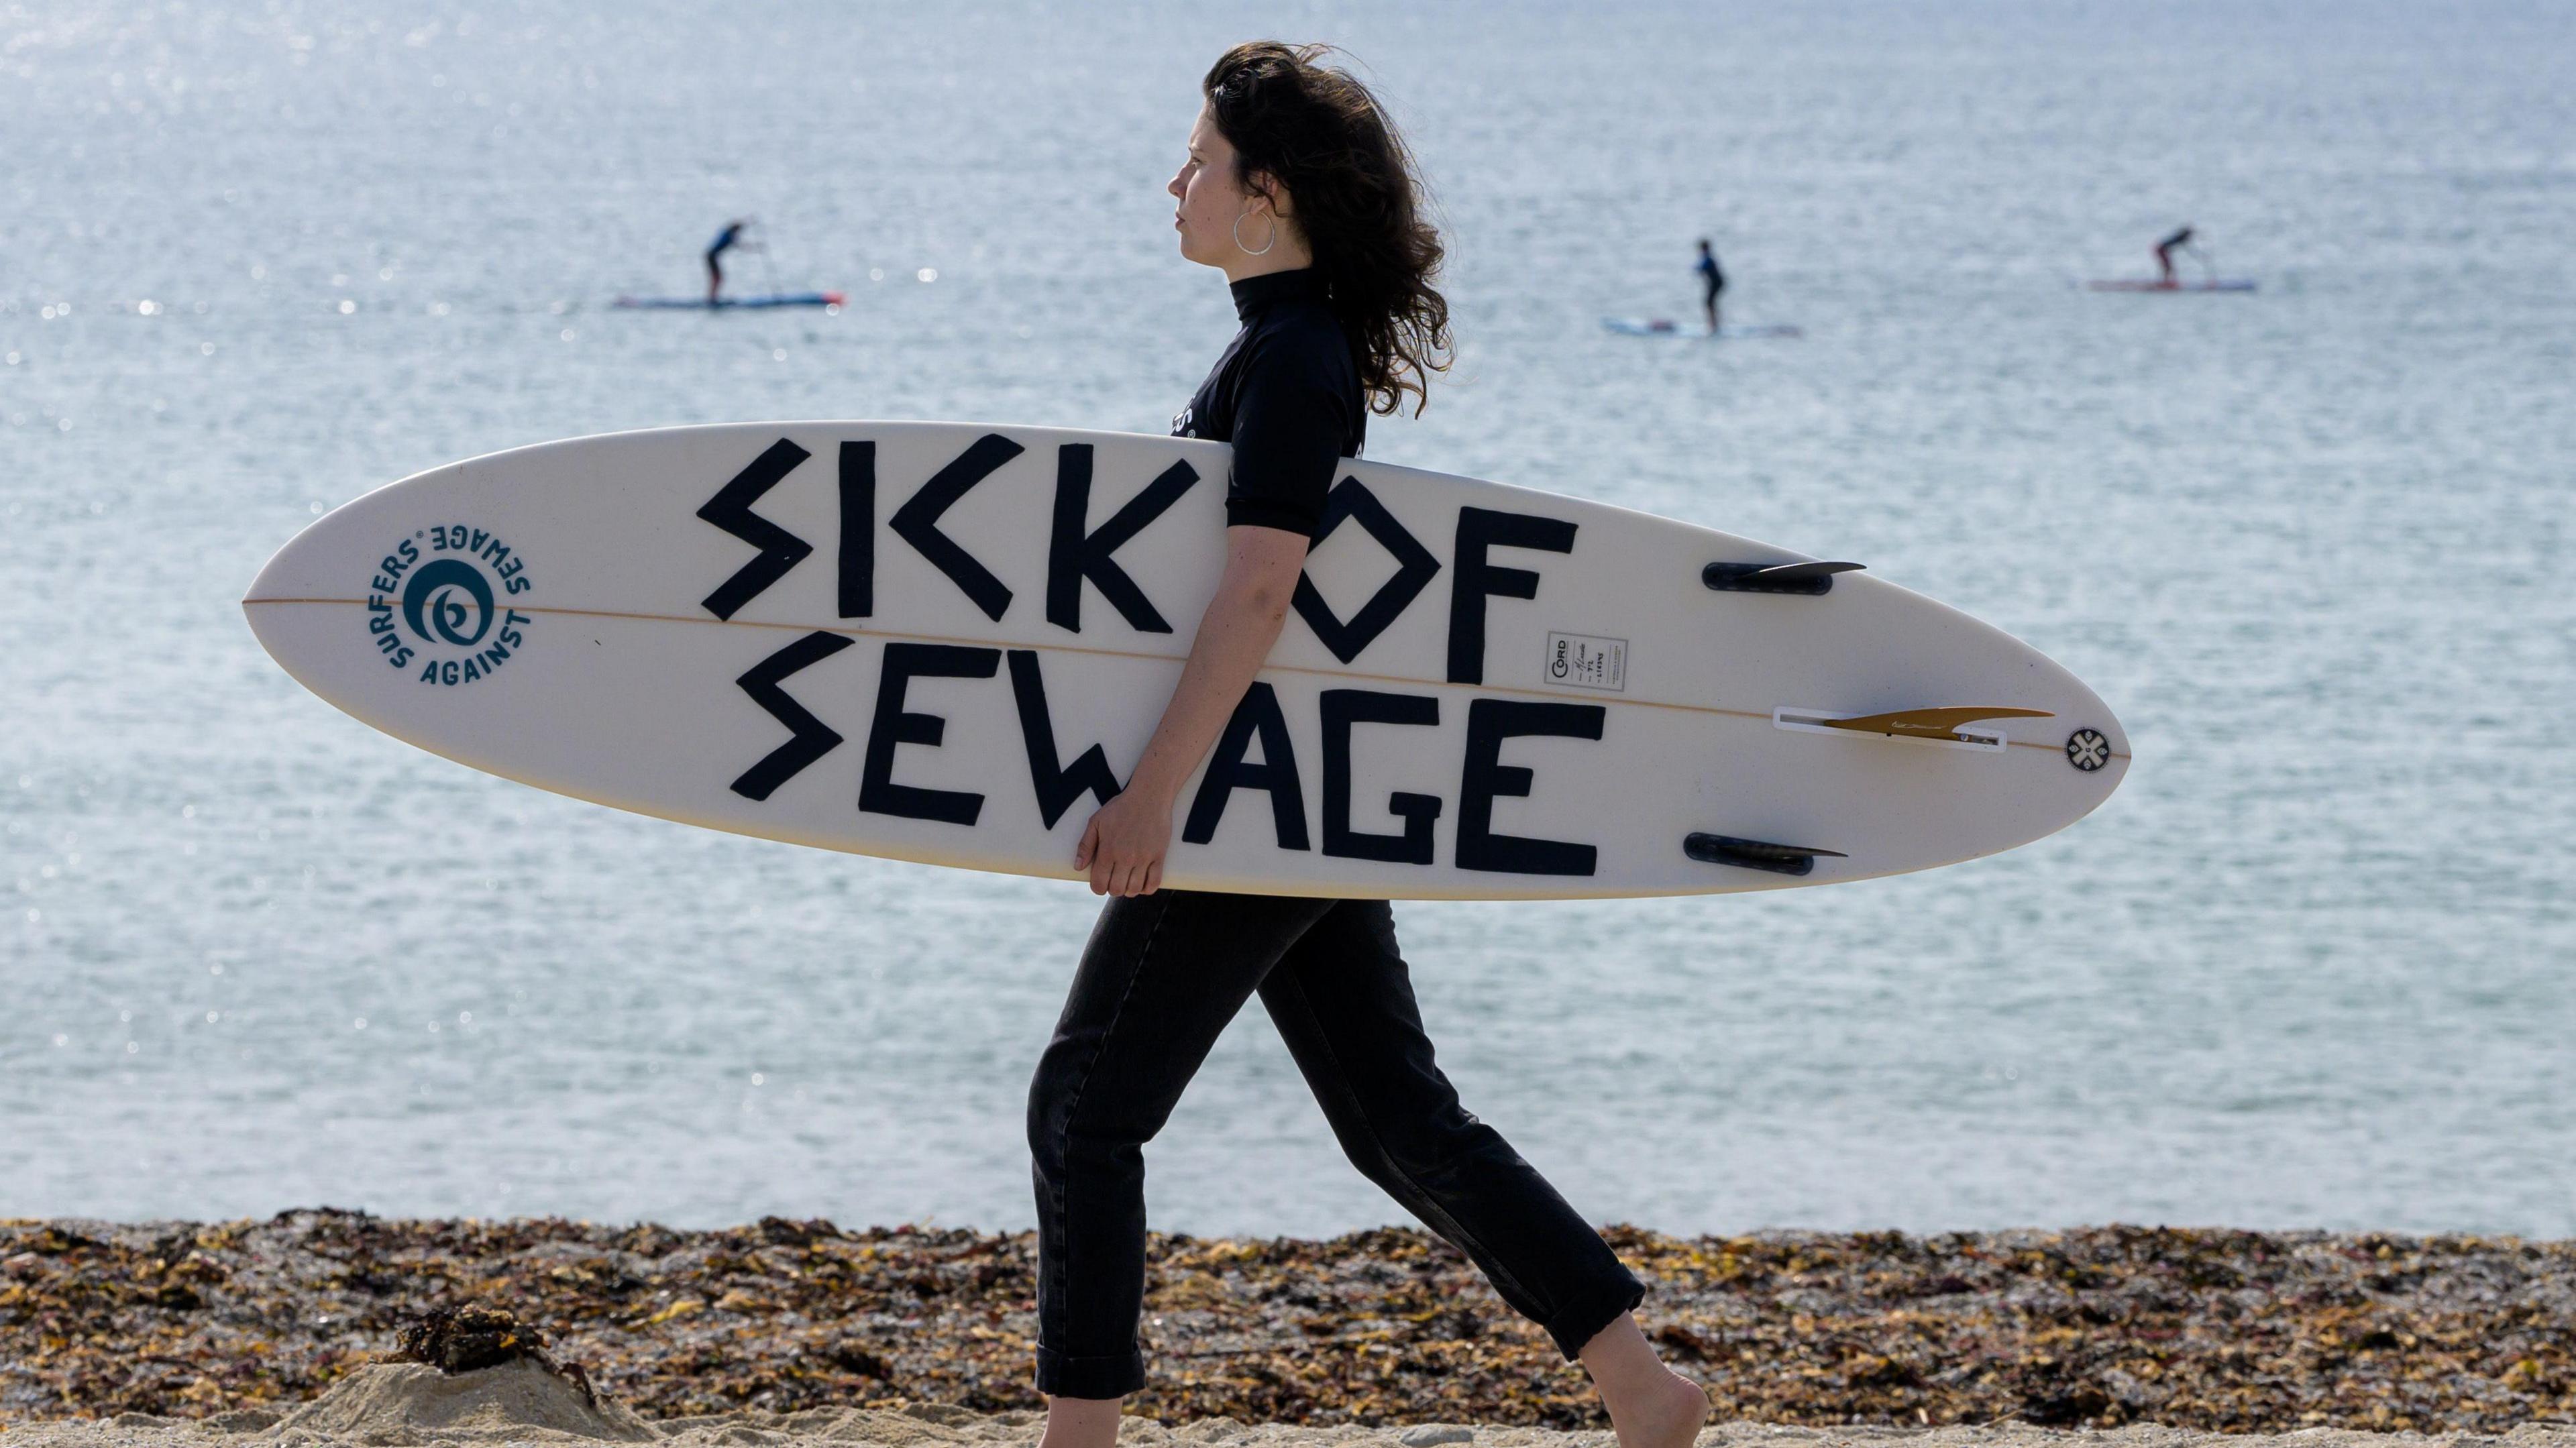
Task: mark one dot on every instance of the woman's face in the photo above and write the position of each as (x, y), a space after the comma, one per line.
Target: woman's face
(1211, 200)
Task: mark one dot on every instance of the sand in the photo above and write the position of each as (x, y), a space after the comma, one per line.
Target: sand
(390, 1404)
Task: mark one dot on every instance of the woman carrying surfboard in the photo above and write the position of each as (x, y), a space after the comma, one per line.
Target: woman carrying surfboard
(1298, 189)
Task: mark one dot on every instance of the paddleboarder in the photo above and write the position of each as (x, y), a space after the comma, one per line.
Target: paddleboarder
(2164, 255)
(1297, 189)
(1711, 282)
(725, 241)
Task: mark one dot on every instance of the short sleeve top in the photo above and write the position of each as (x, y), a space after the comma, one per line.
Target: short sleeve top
(1286, 393)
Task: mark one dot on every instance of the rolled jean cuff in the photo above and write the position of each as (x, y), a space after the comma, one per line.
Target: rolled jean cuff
(1060, 1376)
(1581, 1320)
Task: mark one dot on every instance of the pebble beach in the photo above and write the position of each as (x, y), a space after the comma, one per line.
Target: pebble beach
(792, 1329)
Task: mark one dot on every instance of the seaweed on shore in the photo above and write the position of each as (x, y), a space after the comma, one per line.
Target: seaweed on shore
(477, 1336)
(2223, 1330)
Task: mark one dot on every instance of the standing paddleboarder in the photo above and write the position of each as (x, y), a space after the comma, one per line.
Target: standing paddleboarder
(1296, 188)
(2164, 255)
(1711, 282)
(725, 241)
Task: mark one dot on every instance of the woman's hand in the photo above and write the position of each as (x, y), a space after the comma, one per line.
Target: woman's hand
(1123, 846)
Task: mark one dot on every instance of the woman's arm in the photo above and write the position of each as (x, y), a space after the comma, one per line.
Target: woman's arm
(1124, 844)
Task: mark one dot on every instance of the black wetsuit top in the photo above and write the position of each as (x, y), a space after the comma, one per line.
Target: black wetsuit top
(1286, 393)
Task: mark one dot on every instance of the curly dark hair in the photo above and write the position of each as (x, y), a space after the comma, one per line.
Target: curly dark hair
(1320, 135)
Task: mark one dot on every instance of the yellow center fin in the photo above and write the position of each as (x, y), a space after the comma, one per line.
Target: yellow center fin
(1929, 723)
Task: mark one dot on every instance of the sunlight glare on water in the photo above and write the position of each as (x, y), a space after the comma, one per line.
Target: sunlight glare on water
(2309, 967)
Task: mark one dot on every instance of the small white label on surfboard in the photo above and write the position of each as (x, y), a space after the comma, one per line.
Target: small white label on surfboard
(1587, 662)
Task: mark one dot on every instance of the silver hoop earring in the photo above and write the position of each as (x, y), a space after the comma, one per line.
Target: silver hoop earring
(1265, 246)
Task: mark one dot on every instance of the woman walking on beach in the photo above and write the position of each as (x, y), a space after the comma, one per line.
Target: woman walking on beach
(1296, 188)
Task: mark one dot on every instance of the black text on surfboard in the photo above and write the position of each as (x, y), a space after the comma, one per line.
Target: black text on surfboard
(1075, 552)
(1079, 553)
(1259, 725)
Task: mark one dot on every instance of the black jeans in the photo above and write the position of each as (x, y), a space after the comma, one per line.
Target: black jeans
(1161, 977)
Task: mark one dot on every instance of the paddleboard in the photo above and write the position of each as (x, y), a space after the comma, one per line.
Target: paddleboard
(751, 303)
(1667, 327)
(949, 643)
(2145, 285)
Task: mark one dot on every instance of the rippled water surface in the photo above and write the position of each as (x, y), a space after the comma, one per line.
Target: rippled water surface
(2309, 967)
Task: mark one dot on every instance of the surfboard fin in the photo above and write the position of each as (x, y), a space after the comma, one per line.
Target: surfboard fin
(1755, 854)
(1812, 577)
(1955, 725)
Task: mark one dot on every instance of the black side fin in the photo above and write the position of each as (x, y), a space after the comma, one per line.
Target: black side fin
(1755, 854)
(1812, 577)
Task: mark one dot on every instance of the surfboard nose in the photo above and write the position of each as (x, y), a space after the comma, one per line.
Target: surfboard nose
(303, 565)
(299, 579)
(277, 577)
(338, 588)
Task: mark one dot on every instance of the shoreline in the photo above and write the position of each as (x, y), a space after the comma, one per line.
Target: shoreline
(2200, 1331)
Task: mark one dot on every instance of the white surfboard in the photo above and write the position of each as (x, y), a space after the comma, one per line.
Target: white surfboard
(949, 643)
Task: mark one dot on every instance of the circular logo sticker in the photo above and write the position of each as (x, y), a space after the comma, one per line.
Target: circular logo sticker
(2087, 750)
(448, 600)
(441, 599)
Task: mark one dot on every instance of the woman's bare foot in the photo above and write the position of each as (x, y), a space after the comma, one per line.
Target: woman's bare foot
(1651, 1406)
(1666, 1414)
(1081, 1423)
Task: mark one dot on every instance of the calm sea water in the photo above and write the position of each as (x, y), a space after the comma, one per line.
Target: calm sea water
(2310, 967)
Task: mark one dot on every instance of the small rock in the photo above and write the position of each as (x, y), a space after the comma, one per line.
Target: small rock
(1430, 1435)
